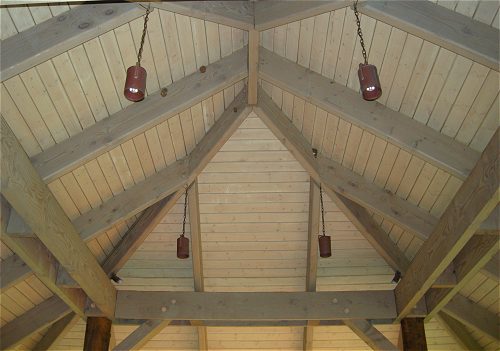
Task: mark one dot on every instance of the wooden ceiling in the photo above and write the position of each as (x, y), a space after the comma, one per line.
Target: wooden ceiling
(254, 194)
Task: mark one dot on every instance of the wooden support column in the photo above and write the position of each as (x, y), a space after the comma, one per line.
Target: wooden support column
(413, 334)
(97, 334)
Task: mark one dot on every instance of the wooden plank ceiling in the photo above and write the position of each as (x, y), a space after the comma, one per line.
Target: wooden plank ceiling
(253, 195)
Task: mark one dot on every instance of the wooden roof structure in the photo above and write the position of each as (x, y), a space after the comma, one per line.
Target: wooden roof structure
(93, 185)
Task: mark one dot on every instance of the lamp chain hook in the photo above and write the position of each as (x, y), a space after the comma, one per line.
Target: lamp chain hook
(360, 33)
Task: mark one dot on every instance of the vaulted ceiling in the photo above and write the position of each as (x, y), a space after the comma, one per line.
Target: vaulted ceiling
(118, 170)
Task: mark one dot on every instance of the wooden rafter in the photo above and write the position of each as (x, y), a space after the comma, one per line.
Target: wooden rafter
(237, 14)
(34, 320)
(472, 204)
(13, 270)
(139, 117)
(269, 14)
(40, 210)
(61, 33)
(441, 26)
(370, 335)
(253, 65)
(473, 315)
(458, 332)
(162, 184)
(141, 335)
(406, 133)
(475, 254)
(57, 332)
(242, 306)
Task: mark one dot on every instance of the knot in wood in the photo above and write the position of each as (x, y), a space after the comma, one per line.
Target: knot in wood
(164, 92)
(203, 69)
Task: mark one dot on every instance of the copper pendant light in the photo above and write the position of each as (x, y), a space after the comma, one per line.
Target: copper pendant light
(324, 241)
(369, 82)
(182, 241)
(135, 84)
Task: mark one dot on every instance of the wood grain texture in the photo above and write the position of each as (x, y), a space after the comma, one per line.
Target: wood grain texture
(32, 321)
(473, 316)
(249, 306)
(469, 261)
(139, 117)
(237, 14)
(471, 205)
(413, 334)
(97, 334)
(30, 197)
(446, 28)
(369, 334)
(56, 332)
(12, 271)
(253, 65)
(340, 179)
(139, 337)
(269, 14)
(61, 33)
(458, 331)
(404, 132)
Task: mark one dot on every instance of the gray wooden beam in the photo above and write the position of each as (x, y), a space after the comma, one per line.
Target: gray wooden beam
(13, 270)
(458, 332)
(139, 117)
(34, 320)
(471, 205)
(26, 192)
(441, 26)
(57, 332)
(269, 14)
(370, 335)
(61, 33)
(141, 335)
(237, 14)
(406, 133)
(473, 315)
(242, 306)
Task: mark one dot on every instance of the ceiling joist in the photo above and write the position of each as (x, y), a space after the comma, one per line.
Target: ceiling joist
(398, 129)
(61, 33)
(441, 26)
(139, 117)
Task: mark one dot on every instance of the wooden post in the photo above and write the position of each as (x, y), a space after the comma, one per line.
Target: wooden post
(413, 332)
(97, 334)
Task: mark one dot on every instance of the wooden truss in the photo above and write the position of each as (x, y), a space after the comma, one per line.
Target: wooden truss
(51, 246)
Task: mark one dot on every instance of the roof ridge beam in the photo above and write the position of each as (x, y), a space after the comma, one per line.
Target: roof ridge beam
(394, 127)
(441, 26)
(139, 117)
(61, 33)
(237, 14)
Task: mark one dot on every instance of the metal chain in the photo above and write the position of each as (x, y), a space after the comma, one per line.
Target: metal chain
(360, 33)
(322, 209)
(185, 212)
(139, 55)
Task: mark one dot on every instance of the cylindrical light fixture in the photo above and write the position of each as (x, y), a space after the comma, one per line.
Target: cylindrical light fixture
(135, 84)
(369, 82)
(324, 241)
(182, 247)
(182, 241)
(325, 246)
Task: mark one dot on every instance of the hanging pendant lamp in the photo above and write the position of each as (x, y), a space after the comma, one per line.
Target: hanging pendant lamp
(324, 241)
(182, 241)
(369, 82)
(135, 84)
